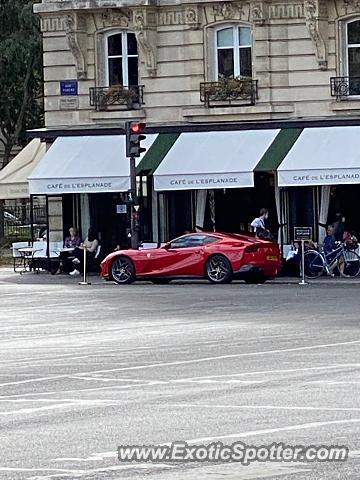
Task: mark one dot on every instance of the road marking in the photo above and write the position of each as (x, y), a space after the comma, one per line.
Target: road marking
(337, 382)
(289, 428)
(267, 372)
(187, 362)
(265, 407)
(141, 383)
(57, 472)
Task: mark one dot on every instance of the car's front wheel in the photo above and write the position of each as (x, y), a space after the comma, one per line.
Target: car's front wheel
(123, 270)
(218, 269)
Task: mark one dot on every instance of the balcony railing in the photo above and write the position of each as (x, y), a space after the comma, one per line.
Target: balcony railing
(342, 87)
(229, 92)
(116, 97)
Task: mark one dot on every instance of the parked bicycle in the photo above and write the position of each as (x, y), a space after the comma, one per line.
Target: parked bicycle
(345, 260)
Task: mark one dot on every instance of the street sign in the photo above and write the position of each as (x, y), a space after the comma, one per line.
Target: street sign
(122, 208)
(302, 233)
(68, 87)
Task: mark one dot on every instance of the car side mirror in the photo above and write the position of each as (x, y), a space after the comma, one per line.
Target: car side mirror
(167, 246)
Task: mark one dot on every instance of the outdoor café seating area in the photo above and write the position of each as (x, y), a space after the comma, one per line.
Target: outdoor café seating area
(33, 256)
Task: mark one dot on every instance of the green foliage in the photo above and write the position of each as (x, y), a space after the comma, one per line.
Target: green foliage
(20, 72)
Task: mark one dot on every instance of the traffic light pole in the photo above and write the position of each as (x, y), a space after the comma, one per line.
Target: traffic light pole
(134, 223)
(133, 149)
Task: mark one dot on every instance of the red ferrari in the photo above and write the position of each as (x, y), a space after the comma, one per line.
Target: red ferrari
(219, 257)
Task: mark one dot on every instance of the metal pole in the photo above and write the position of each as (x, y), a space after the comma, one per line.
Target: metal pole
(48, 233)
(32, 218)
(158, 219)
(133, 204)
(281, 199)
(303, 263)
(84, 282)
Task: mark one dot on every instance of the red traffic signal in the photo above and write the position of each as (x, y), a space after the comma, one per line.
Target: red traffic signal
(137, 127)
(133, 138)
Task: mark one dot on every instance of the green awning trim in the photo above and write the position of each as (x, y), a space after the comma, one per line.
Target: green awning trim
(156, 153)
(278, 150)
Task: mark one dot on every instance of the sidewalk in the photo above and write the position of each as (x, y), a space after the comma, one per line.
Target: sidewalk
(7, 275)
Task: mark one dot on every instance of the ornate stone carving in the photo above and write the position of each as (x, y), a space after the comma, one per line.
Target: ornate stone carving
(286, 11)
(113, 17)
(192, 16)
(145, 27)
(346, 7)
(52, 24)
(258, 14)
(351, 6)
(76, 34)
(188, 15)
(224, 11)
(317, 24)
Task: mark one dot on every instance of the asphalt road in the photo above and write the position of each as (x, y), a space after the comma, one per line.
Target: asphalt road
(85, 369)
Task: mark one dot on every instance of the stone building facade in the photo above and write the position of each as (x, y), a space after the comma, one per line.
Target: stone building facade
(296, 47)
(182, 64)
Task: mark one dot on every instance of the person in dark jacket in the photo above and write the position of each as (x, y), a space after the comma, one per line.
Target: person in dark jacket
(339, 227)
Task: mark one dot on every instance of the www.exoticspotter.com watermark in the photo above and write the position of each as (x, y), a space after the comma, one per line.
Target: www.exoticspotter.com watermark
(237, 452)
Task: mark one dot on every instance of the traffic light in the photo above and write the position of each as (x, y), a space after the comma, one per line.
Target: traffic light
(134, 137)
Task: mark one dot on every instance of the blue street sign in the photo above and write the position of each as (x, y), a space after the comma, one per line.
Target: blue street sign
(68, 87)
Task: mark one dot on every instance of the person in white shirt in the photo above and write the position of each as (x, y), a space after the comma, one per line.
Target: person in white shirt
(259, 222)
(91, 244)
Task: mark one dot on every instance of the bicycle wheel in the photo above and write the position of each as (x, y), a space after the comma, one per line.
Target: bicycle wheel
(351, 261)
(313, 264)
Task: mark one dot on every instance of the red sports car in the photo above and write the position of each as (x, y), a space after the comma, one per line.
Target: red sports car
(218, 257)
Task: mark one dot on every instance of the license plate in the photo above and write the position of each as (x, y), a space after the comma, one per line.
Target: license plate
(272, 258)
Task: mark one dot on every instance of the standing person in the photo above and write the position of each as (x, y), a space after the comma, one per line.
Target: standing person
(339, 227)
(258, 225)
(91, 244)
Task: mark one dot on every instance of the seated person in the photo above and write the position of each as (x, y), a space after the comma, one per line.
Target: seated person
(91, 244)
(71, 241)
(329, 246)
(291, 265)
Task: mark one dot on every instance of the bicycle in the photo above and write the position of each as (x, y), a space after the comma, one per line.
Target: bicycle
(346, 260)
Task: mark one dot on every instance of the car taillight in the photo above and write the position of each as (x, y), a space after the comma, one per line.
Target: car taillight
(251, 249)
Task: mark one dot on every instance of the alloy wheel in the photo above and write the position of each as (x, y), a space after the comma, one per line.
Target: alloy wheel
(122, 270)
(218, 269)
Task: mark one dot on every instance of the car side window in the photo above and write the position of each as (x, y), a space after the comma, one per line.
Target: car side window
(193, 241)
(179, 243)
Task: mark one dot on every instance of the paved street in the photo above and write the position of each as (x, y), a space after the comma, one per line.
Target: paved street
(84, 369)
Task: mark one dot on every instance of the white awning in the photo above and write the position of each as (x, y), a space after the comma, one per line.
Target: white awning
(88, 164)
(322, 156)
(207, 160)
(13, 177)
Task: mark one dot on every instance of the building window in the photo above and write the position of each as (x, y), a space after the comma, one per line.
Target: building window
(122, 60)
(233, 52)
(353, 56)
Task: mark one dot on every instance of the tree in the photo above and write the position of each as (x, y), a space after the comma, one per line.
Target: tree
(20, 73)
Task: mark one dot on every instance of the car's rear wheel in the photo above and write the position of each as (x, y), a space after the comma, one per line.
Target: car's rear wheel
(123, 270)
(161, 281)
(218, 269)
